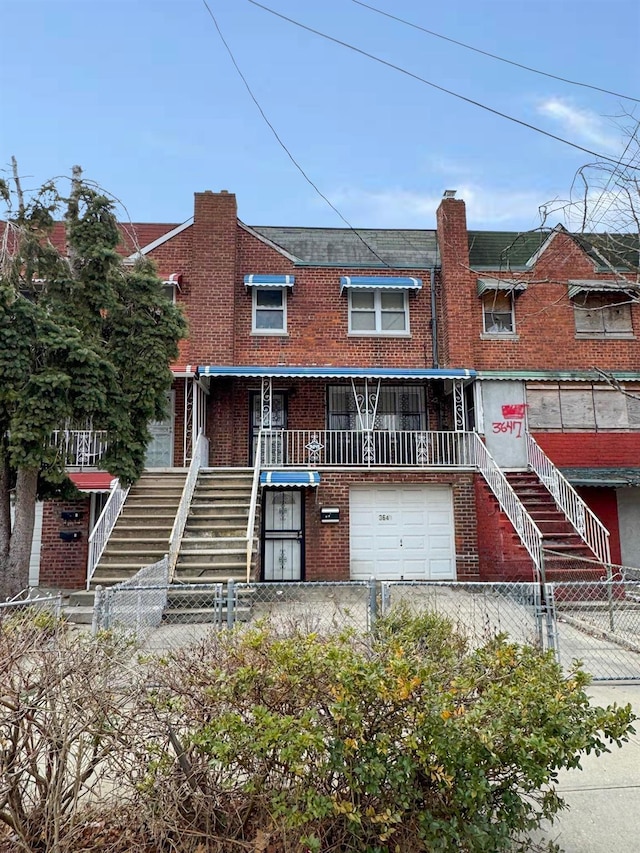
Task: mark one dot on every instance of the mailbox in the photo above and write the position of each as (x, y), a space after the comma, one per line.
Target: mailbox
(71, 515)
(70, 535)
(330, 514)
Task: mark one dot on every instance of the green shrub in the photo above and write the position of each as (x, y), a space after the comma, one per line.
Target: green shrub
(408, 742)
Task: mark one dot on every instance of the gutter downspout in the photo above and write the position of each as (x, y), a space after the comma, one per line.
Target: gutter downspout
(434, 321)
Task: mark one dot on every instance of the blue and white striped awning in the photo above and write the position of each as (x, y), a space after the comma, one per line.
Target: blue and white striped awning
(380, 281)
(289, 479)
(257, 280)
(329, 372)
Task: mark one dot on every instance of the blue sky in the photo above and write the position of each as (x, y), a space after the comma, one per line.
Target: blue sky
(142, 94)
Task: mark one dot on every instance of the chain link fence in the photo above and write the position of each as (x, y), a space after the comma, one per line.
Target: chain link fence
(596, 621)
(322, 607)
(479, 610)
(135, 606)
(32, 599)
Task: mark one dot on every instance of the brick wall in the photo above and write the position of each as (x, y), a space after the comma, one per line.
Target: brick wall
(584, 449)
(544, 314)
(64, 564)
(327, 545)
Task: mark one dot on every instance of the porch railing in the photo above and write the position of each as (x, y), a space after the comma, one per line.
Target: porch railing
(355, 448)
(251, 521)
(199, 459)
(586, 524)
(102, 530)
(526, 528)
(80, 448)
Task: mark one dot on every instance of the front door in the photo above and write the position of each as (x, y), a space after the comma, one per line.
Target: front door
(160, 448)
(283, 535)
(273, 450)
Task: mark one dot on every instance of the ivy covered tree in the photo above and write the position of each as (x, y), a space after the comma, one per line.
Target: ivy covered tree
(86, 339)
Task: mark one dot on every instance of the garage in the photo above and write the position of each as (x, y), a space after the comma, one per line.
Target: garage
(401, 533)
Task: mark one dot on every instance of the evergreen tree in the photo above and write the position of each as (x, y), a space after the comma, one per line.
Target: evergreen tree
(86, 339)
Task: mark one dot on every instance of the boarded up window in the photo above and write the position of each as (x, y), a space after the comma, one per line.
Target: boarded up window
(601, 314)
(576, 406)
(611, 409)
(544, 407)
(552, 406)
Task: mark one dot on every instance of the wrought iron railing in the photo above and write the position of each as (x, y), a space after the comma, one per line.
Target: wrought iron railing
(100, 534)
(199, 459)
(80, 448)
(526, 528)
(251, 521)
(357, 448)
(587, 525)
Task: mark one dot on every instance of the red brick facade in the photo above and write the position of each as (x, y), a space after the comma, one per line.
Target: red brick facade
(213, 255)
(63, 561)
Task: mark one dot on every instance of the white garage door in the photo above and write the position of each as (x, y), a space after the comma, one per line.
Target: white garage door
(402, 532)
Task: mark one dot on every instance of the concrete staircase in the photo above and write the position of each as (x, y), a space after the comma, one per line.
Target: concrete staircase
(557, 531)
(141, 534)
(214, 546)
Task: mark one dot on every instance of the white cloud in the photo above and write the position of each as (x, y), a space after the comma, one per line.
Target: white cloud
(487, 207)
(580, 125)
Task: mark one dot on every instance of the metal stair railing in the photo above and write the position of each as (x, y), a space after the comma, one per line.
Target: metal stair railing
(103, 528)
(251, 521)
(198, 460)
(526, 528)
(588, 526)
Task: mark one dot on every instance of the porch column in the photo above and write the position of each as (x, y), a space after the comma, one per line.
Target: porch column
(266, 400)
(459, 407)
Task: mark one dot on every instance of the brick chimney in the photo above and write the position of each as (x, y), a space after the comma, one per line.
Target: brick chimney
(459, 302)
(213, 275)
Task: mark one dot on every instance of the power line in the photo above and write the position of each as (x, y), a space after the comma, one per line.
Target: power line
(493, 55)
(442, 88)
(282, 144)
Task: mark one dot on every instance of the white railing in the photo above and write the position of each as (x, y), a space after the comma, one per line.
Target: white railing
(80, 448)
(251, 521)
(587, 525)
(199, 459)
(511, 505)
(104, 525)
(355, 448)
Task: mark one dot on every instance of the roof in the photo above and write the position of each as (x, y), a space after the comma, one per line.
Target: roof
(602, 476)
(134, 234)
(361, 247)
(506, 250)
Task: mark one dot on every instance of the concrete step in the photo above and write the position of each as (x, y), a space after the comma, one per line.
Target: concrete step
(78, 615)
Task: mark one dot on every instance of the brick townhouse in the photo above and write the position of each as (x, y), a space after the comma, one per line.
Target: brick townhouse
(413, 404)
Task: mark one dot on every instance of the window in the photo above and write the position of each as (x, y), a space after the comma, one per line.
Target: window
(269, 311)
(378, 312)
(169, 290)
(582, 407)
(399, 407)
(599, 315)
(497, 313)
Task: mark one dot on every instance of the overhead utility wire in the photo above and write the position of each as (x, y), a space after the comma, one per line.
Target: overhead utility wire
(284, 147)
(442, 88)
(493, 55)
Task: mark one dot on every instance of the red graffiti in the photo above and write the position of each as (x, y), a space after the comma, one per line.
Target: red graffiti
(512, 427)
(514, 411)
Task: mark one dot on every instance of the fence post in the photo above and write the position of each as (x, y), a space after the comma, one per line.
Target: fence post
(97, 606)
(612, 626)
(550, 616)
(385, 598)
(373, 603)
(231, 600)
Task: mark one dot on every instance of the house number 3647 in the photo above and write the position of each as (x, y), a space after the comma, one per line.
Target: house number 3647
(384, 517)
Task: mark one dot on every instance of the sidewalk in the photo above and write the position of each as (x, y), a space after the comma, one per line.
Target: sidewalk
(603, 797)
